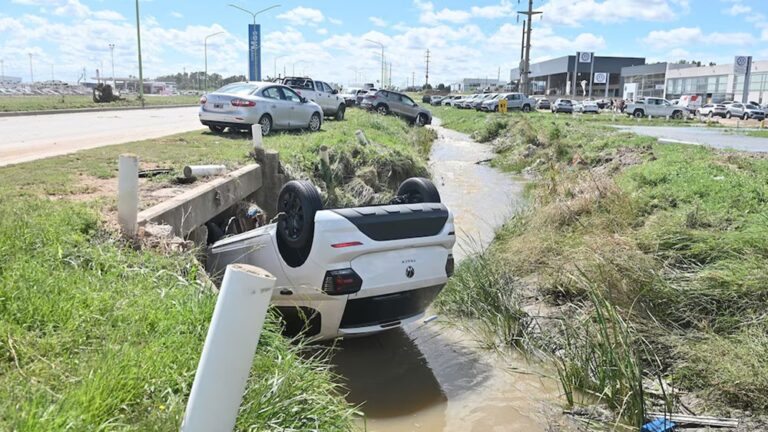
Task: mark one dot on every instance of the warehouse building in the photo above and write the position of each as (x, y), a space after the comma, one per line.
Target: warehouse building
(647, 80)
(718, 83)
(554, 77)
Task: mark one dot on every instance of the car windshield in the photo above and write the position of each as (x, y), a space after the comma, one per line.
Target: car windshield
(752, 107)
(566, 102)
(238, 88)
(299, 82)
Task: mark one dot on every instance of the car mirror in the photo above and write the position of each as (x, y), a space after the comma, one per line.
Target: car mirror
(302, 99)
(335, 91)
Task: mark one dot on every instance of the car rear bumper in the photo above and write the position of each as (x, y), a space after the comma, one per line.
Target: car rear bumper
(387, 310)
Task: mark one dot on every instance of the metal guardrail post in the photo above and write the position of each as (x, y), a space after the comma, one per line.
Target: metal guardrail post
(128, 194)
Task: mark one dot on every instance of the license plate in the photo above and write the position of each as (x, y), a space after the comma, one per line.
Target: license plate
(218, 105)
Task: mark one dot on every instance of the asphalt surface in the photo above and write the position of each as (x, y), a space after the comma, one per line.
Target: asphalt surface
(26, 138)
(717, 138)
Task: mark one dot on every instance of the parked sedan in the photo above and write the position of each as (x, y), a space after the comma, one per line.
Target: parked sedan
(467, 101)
(543, 103)
(450, 100)
(754, 112)
(712, 110)
(562, 105)
(273, 106)
(390, 102)
(436, 100)
(586, 107)
(478, 102)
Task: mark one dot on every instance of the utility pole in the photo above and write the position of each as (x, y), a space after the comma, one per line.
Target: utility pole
(426, 75)
(2, 68)
(522, 65)
(413, 79)
(381, 83)
(389, 78)
(141, 72)
(112, 55)
(31, 73)
(525, 72)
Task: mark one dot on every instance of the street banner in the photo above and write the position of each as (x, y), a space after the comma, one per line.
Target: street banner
(254, 52)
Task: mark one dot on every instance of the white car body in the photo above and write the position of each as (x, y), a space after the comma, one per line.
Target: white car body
(400, 276)
(586, 107)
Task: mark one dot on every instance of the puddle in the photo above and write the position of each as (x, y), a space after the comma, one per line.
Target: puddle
(429, 377)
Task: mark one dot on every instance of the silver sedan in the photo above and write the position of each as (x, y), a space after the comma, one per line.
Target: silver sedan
(273, 106)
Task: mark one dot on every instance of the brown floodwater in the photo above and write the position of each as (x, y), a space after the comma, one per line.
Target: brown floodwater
(433, 376)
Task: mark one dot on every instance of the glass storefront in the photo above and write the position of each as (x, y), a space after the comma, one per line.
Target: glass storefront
(711, 88)
(758, 82)
(651, 85)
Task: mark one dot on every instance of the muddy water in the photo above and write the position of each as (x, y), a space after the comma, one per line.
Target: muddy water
(430, 377)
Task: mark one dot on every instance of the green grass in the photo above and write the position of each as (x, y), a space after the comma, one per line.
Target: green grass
(758, 133)
(398, 152)
(97, 336)
(673, 237)
(39, 103)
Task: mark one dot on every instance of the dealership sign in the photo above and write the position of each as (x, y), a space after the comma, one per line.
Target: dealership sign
(254, 52)
(740, 64)
(585, 57)
(601, 78)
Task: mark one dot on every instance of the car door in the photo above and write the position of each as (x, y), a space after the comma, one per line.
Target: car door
(277, 107)
(410, 108)
(300, 111)
(333, 99)
(322, 96)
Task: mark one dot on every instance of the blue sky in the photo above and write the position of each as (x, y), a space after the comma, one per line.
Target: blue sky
(327, 38)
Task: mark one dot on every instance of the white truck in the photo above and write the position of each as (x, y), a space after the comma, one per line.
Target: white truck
(655, 107)
(350, 271)
(319, 92)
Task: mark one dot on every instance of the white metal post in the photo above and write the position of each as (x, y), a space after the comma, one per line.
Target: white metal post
(229, 349)
(128, 193)
(256, 132)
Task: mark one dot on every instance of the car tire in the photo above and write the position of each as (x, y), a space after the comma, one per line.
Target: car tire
(382, 109)
(266, 124)
(417, 190)
(728, 114)
(315, 122)
(340, 113)
(526, 108)
(638, 114)
(745, 116)
(710, 115)
(421, 120)
(297, 204)
(216, 129)
(677, 115)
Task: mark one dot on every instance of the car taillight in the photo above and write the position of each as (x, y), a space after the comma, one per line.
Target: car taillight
(242, 103)
(346, 244)
(449, 265)
(203, 100)
(339, 282)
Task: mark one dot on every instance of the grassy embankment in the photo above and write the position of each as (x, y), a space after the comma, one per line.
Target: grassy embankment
(650, 260)
(40, 103)
(95, 335)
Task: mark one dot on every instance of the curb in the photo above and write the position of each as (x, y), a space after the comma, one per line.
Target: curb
(87, 110)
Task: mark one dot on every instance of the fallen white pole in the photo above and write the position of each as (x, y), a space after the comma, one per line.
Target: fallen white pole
(203, 170)
(229, 349)
(128, 193)
(256, 132)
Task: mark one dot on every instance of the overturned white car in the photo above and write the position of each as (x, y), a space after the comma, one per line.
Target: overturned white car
(351, 271)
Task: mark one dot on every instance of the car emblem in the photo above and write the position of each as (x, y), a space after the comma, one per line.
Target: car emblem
(409, 271)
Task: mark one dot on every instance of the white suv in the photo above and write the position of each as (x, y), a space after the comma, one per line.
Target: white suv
(319, 92)
(352, 271)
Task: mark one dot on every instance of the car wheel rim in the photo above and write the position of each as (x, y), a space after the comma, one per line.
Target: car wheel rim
(294, 216)
(420, 120)
(382, 110)
(314, 123)
(266, 125)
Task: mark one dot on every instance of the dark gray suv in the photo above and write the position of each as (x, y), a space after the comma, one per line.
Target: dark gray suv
(390, 102)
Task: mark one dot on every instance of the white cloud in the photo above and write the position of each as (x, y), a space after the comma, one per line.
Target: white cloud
(38, 2)
(108, 15)
(502, 10)
(302, 15)
(687, 36)
(737, 9)
(335, 21)
(176, 14)
(322, 31)
(73, 8)
(378, 22)
(575, 13)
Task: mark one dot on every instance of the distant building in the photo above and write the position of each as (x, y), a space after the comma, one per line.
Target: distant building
(718, 83)
(478, 84)
(554, 77)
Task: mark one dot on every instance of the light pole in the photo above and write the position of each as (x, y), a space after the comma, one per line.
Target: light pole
(275, 64)
(31, 73)
(141, 72)
(294, 66)
(205, 43)
(254, 51)
(2, 68)
(112, 54)
(382, 59)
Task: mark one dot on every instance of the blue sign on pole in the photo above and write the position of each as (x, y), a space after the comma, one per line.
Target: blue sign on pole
(254, 52)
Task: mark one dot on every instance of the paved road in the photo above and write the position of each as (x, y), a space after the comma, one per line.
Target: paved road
(717, 138)
(35, 137)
